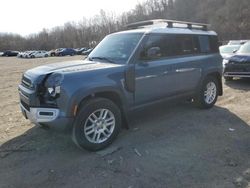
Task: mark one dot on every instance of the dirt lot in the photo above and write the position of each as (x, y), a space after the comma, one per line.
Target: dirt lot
(168, 145)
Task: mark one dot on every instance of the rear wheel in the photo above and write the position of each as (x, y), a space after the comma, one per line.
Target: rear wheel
(97, 124)
(208, 94)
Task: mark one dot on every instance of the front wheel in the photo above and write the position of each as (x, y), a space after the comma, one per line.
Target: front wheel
(97, 124)
(208, 94)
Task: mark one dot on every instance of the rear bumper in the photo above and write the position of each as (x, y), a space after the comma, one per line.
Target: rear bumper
(48, 116)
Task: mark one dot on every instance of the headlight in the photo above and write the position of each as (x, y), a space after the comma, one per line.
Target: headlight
(53, 84)
(224, 62)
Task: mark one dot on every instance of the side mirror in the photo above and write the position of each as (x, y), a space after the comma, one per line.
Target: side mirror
(235, 51)
(154, 52)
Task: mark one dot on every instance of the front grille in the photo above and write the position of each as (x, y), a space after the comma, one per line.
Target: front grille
(26, 106)
(239, 63)
(26, 82)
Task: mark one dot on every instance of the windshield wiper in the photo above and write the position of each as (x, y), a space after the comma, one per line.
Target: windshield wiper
(101, 58)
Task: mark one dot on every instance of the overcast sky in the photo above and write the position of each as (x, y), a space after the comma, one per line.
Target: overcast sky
(29, 16)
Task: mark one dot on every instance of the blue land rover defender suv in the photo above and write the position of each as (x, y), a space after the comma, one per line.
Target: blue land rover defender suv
(152, 61)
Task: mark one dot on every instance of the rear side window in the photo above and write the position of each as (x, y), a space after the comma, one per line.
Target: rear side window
(184, 45)
(204, 44)
(208, 44)
(214, 44)
(171, 45)
(180, 45)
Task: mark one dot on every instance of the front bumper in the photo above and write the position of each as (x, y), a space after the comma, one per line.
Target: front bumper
(47, 116)
(51, 117)
(241, 70)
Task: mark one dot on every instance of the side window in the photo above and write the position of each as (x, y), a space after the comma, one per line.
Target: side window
(204, 44)
(158, 46)
(184, 45)
(214, 44)
(196, 44)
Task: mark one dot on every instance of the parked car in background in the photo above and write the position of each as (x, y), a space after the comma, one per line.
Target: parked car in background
(66, 51)
(20, 54)
(10, 53)
(58, 50)
(127, 70)
(239, 64)
(52, 52)
(237, 42)
(87, 52)
(38, 54)
(28, 54)
(1, 53)
(23, 54)
(80, 50)
(228, 51)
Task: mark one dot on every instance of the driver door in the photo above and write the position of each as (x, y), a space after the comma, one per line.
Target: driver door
(153, 75)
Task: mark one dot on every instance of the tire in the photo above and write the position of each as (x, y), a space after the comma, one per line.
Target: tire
(228, 78)
(206, 102)
(46, 55)
(86, 129)
(32, 56)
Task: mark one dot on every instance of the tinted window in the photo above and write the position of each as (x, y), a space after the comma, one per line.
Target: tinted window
(208, 44)
(172, 45)
(184, 45)
(214, 44)
(164, 42)
(204, 44)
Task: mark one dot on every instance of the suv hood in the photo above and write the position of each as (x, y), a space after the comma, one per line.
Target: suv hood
(240, 58)
(70, 66)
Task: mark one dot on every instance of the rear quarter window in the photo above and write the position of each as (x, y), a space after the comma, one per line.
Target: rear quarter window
(208, 44)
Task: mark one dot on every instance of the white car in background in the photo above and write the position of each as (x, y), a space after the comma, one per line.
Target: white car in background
(22, 54)
(37, 54)
(27, 54)
(237, 42)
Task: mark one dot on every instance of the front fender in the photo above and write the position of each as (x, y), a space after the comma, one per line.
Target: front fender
(84, 93)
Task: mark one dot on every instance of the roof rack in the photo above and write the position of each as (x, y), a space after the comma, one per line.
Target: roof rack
(170, 24)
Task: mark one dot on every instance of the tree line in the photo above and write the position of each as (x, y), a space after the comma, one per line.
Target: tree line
(229, 18)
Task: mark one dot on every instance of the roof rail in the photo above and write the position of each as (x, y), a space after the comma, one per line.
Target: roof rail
(170, 24)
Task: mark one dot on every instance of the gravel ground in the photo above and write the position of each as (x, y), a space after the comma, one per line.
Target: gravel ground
(167, 145)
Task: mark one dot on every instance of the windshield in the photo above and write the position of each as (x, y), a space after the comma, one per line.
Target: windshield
(245, 49)
(117, 47)
(229, 49)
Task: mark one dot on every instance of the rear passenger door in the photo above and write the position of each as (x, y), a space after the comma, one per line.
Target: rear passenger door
(186, 63)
